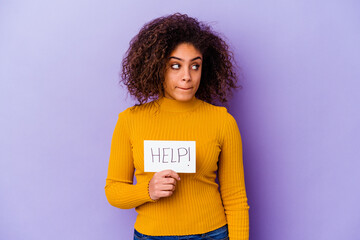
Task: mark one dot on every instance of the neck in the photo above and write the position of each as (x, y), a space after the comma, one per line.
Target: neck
(173, 105)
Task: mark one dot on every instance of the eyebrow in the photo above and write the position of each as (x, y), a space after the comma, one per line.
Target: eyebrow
(183, 59)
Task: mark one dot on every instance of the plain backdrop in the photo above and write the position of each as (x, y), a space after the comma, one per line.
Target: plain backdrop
(297, 112)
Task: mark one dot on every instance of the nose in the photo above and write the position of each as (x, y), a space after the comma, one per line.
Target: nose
(186, 75)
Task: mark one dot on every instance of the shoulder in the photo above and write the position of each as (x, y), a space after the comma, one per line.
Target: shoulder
(221, 113)
(222, 120)
(217, 111)
(137, 110)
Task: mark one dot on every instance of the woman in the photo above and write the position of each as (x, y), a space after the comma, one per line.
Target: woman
(182, 66)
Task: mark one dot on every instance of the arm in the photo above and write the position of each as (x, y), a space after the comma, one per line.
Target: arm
(232, 183)
(119, 189)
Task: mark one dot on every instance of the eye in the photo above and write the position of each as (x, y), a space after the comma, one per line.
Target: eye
(195, 67)
(175, 66)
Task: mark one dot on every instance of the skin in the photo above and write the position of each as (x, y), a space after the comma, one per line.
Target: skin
(163, 184)
(182, 80)
(183, 73)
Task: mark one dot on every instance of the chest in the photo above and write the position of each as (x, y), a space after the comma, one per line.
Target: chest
(206, 137)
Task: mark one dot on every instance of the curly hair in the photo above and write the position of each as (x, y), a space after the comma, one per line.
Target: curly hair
(144, 64)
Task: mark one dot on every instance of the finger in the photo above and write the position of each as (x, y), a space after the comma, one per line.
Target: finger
(165, 193)
(165, 181)
(168, 187)
(169, 180)
(169, 173)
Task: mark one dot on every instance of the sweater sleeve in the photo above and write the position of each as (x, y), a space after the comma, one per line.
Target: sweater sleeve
(119, 188)
(232, 182)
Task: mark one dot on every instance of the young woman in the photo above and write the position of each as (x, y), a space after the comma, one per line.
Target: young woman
(181, 66)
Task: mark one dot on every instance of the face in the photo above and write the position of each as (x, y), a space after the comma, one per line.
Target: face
(183, 73)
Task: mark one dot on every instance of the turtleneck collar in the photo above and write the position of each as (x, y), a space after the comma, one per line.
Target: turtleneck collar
(172, 105)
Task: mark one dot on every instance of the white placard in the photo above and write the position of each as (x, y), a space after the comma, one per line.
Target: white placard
(179, 156)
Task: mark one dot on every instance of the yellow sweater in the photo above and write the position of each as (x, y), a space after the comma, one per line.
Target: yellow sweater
(196, 205)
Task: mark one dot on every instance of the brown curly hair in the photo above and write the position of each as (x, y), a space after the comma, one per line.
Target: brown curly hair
(144, 64)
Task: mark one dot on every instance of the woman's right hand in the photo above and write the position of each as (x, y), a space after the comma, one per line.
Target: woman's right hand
(163, 184)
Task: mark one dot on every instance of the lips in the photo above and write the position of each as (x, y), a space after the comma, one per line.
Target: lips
(185, 88)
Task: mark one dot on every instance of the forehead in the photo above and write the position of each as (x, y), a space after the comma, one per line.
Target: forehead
(185, 51)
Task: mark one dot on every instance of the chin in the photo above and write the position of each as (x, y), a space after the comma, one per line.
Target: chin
(183, 98)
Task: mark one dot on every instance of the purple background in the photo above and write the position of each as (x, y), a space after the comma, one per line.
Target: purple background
(298, 113)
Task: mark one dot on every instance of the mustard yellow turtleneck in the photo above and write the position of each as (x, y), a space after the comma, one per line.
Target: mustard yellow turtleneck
(196, 205)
